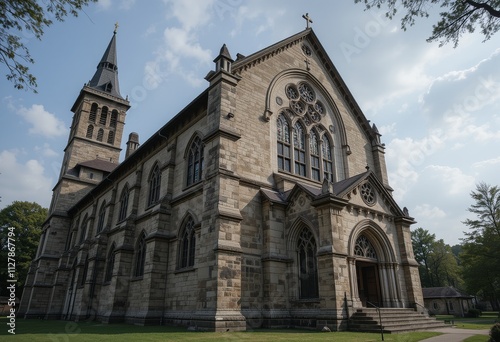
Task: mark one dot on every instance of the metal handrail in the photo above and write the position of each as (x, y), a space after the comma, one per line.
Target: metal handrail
(379, 318)
(424, 311)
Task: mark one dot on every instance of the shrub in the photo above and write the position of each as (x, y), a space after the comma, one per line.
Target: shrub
(495, 333)
(474, 313)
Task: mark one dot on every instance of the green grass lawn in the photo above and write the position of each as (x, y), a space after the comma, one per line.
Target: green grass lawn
(486, 320)
(55, 331)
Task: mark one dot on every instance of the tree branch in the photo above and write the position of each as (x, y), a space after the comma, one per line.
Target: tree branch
(493, 12)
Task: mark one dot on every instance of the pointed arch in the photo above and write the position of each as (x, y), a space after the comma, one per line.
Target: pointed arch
(314, 151)
(376, 237)
(154, 181)
(101, 218)
(140, 255)
(194, 156)
(284, 143)
(187, 243)
(299, 148)
(83, 229)
(124, 197)
(327, 158)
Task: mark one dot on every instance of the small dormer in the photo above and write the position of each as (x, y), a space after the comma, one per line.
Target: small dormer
(223, 61)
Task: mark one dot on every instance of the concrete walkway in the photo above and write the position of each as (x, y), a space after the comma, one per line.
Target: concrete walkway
(454, 334)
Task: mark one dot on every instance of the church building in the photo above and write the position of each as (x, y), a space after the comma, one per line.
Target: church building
(265, 202)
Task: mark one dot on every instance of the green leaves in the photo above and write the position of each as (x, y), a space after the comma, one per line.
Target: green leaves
(20, 16)
(457, 17)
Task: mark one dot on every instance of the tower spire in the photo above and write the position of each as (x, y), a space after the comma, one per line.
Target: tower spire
(106, 76)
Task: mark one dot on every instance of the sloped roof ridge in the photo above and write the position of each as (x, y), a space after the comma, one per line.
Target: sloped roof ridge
(240, 63)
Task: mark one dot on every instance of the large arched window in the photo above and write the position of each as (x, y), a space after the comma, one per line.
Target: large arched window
(308, 269)
(187, 244)
(110, 265)
(154, 185)
(284, 158)
(102, 216)
(195, 162)
(140, 256)
(123, 204)
(300, 128)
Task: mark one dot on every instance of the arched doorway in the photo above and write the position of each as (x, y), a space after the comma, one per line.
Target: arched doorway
(367, 272)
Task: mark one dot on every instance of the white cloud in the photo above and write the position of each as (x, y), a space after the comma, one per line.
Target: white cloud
(104, 4)
(46, 151)
(191, 13)
(42, 121)
(406, 156)
(455, 181)
(23, 182)
(486, 163)
(428, 211)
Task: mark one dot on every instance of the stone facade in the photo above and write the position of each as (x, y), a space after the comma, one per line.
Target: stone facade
(264, 203)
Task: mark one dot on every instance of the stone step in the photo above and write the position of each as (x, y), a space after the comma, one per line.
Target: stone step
(393, 320)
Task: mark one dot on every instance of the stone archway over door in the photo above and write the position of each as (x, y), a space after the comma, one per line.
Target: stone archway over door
(373, 277)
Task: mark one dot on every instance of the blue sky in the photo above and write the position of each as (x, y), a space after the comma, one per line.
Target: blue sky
(437, 108)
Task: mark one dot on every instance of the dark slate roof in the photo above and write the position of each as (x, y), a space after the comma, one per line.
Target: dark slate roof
(443, 292)
(345, 185)
(106, 76)
(224, 52)
(99, 164)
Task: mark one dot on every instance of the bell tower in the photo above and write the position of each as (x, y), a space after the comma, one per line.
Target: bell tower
(93, 147)
(92, 152)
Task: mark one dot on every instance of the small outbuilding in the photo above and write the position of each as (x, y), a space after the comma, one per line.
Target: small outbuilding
(447, 301)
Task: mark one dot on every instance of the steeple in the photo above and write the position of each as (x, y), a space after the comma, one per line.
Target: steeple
(106, 76)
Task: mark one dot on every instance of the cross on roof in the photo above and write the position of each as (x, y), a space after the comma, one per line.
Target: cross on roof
(308, 19)
(116, 27)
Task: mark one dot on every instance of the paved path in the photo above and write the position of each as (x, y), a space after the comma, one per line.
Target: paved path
(455, 334)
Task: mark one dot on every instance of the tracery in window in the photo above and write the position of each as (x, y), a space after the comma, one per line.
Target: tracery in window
(308, 270)
(195, 162)
(364, 248)
(122, 214)
(154, 185)
(187, 245)
(367, 193)
(306, 92)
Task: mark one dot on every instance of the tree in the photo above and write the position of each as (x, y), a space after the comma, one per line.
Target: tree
(456, 18)
(21, 18)
(438, 265)
(480, 252)
(24, 220)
